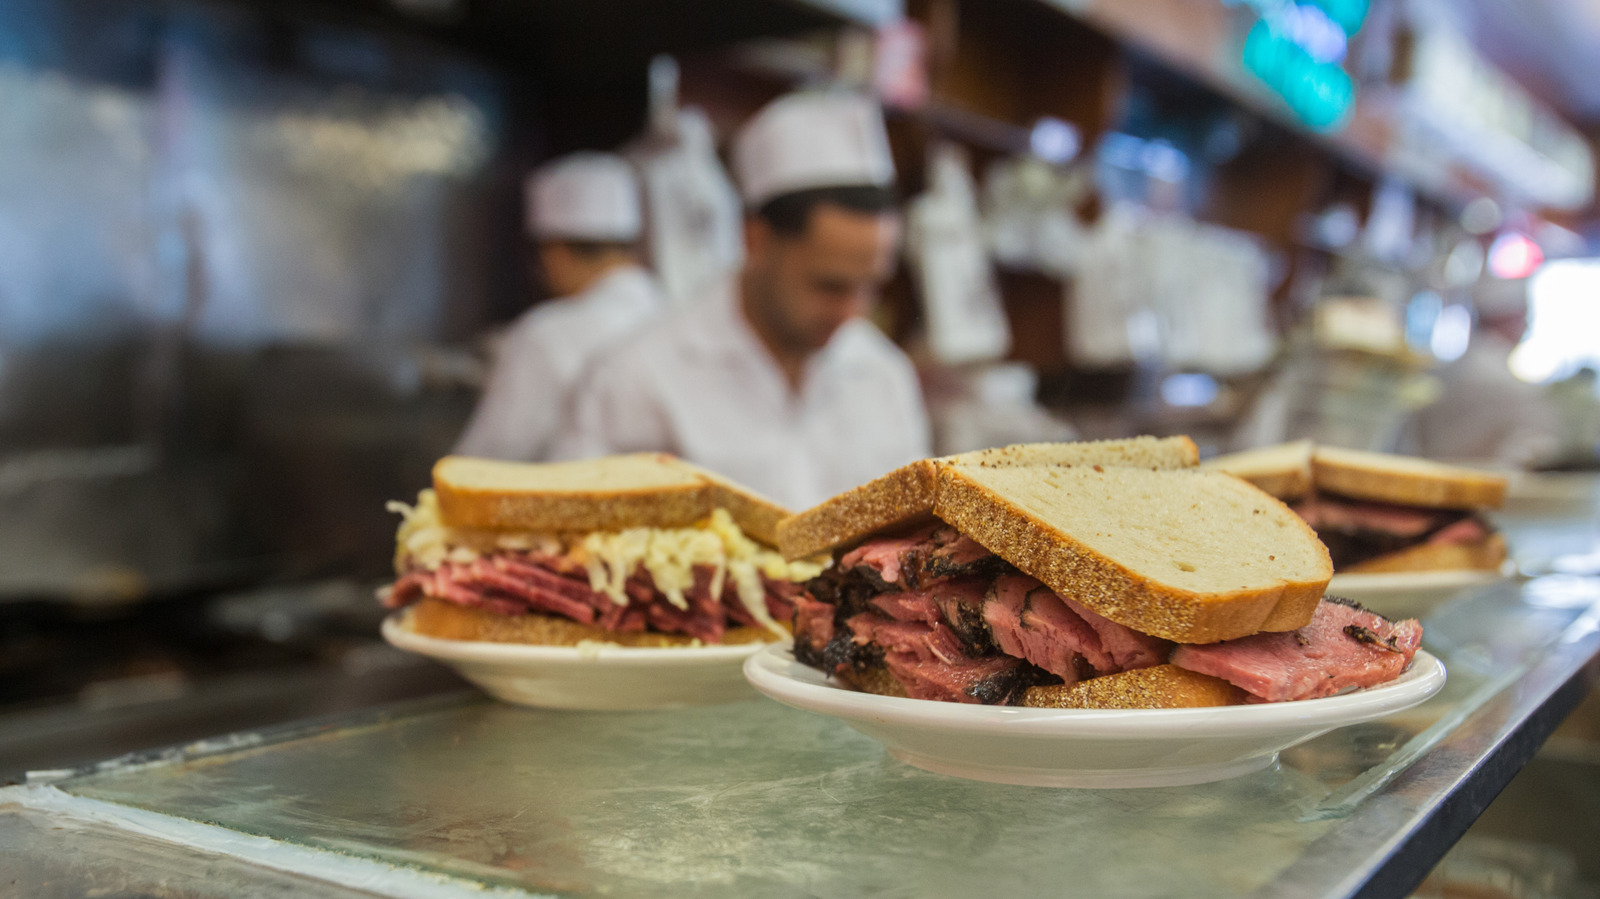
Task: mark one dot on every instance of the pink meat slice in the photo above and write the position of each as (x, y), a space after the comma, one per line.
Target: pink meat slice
(1124, 648)
(407, 589)
(946, 682)
(813, 621)
(884, 554)
(936, 643)
(962, 550)
(780, 598)
(515, 583)
(536, 593)
(1467, 530)
(909, 607)
(928, 660)
(1351, 515)
(1343, 646)
(1030, 622)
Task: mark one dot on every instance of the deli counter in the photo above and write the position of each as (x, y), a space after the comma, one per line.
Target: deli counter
(458, 795)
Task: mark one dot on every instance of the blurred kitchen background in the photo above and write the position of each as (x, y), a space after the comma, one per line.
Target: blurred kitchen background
(249, 252)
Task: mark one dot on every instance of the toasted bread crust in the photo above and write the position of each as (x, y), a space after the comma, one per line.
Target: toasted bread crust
(1286, 485)
(1130, 452)
(678, 495)
(899, 497)
(1158, 687)
(448, 621)
(756, 515)
(1283, 470)
(872, 680)
(908, 493)
(1071, 568)
(1404, 480)
(1487, 554)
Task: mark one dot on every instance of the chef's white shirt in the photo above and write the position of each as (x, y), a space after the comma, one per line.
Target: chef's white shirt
(702, 385)
(541, 358)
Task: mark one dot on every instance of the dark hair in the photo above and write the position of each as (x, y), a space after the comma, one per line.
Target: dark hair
(790, 214)
(591, 249)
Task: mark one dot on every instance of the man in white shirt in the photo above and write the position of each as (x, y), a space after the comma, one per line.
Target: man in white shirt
(777, 380)
(584, 212)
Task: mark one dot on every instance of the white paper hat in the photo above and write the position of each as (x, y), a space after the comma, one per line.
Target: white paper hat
(809, 140)
(584, 196)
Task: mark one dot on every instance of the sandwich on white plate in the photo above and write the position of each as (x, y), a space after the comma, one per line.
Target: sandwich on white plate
(1380, 513)
(638, 550)
(1111, 575)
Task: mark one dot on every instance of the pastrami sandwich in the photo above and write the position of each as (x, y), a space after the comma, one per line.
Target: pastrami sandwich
(1093, 575)
(639, 550)
(1378, 512)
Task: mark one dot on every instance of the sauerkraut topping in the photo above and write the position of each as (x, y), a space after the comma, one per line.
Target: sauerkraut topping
(669, 555)
(424, 541)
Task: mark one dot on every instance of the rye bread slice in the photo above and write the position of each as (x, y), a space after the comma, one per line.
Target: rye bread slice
(909, 493)
(1189, 556)
(755, 514)
(605, 494)
(1404, 480)
(1157, 687)
(1487, 554)
(1283, 470)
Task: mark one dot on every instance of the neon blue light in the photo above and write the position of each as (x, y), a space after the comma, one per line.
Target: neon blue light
(1318, 91)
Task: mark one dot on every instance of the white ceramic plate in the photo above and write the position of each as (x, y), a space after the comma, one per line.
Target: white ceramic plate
(1410, 594)
(596, 678)
(1084, 748)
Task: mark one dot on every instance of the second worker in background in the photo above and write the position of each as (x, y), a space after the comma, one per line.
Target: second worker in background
(583, 212)
(778, 380)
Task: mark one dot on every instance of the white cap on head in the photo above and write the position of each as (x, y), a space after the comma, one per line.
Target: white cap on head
(809, 140)
(584, 196)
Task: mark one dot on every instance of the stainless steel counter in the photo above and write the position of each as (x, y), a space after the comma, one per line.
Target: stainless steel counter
(464, 796)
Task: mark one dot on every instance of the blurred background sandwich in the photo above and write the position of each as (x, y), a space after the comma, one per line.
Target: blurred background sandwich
(1378, 512)
(639, 550)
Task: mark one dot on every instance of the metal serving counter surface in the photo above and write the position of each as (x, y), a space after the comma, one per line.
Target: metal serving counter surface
(450, 796)
(465, 796)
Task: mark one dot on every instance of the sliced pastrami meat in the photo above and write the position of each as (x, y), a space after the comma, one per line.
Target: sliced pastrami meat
(1407, 522)
(1344, 646)
(991, 681)
(916, 560)
(918, 607)
(1124, 649)
(1030, 622)
(883, 555)
(516, 583)
(1468, 530)
(813, 623)
(930, 644)
(952, 555)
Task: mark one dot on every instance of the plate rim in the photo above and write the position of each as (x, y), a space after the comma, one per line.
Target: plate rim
(1449, 578)
(487, 652)
(765, 672)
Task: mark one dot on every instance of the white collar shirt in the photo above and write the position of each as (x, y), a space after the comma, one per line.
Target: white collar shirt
(704, 386)
(543, 355)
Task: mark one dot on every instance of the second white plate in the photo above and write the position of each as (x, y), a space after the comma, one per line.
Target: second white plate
(603, 677)
(1085, 748)
(1409, 594)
